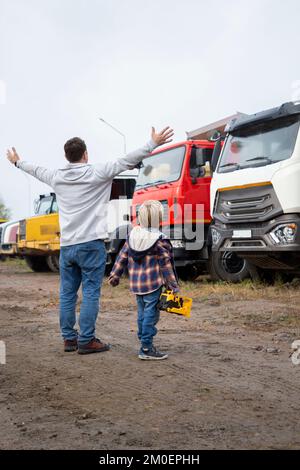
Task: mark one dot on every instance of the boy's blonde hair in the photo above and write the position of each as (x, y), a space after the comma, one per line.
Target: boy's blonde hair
(151, 214)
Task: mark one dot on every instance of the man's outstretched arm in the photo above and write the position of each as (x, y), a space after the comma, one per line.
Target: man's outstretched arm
(109, 170)
(42, 174)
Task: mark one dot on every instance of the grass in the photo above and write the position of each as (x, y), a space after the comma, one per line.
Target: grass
(13, 261)
(204, 289)
(278, 304)
(282, 309)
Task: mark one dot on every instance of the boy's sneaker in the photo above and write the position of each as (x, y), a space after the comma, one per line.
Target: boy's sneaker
(152, 354)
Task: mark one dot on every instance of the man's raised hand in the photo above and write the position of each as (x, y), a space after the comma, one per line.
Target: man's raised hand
(12, 156)
(163, 137)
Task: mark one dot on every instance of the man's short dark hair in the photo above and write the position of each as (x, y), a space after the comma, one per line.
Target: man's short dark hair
(74, 149)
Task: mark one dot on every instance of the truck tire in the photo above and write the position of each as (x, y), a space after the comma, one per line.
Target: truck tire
(188, 273)
(38, 264)
(53, 263)
(227, 266)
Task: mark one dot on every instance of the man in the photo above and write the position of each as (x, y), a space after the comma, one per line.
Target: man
(83, 192)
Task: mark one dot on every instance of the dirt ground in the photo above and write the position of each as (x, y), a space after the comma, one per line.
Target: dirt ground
(229, 382)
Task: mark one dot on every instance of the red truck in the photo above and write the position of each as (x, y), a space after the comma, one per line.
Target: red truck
(179, 176)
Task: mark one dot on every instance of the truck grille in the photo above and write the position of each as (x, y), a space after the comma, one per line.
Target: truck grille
(245, 244)
(257, 203)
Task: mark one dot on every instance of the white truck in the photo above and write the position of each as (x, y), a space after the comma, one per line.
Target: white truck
(255, 191)
(8, 239)
(119, 214)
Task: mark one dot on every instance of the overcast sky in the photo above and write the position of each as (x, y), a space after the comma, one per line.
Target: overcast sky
(136, 63)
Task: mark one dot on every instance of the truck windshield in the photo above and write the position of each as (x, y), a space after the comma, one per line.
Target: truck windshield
(162, 167)
(46, 206)
(259, 144)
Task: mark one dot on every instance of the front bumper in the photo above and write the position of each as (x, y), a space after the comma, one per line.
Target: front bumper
(259, 247)
(10, 249)
(184, 257)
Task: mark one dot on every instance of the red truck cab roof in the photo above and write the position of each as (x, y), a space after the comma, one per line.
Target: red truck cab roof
(196, 143)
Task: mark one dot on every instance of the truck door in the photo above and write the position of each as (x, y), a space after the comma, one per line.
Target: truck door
(120, 201)
(199, 180)
(197, 186)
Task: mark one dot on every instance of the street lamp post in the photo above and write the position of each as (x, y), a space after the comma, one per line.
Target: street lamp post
(116, 130)
(29, 192)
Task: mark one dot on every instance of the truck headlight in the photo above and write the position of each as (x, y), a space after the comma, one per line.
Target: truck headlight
(215, 235)
(284, 234)
(178, 243)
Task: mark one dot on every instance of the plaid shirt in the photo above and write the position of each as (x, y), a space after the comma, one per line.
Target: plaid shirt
(151, 272)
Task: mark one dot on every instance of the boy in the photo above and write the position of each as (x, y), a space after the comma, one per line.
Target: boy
(148, 255)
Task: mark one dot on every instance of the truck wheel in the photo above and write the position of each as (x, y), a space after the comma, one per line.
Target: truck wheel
(53, 263)
(188, 273)
(227, 266)
(38, 264)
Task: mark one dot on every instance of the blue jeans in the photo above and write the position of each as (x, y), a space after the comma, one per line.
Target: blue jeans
(81, 264)
(148, 316)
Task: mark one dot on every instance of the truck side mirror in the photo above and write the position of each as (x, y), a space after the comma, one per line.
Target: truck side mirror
(214, 136)
(216, 154)
(197, 172)
(200, 157)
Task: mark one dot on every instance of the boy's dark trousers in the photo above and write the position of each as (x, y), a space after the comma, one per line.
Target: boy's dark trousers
(148, 316)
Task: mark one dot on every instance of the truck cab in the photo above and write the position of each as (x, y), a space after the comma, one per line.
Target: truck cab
(179, 177)
(255, 192)
(46, 204)
(119, 214)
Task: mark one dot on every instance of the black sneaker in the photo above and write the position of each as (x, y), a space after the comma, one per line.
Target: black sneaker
(152, 354)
